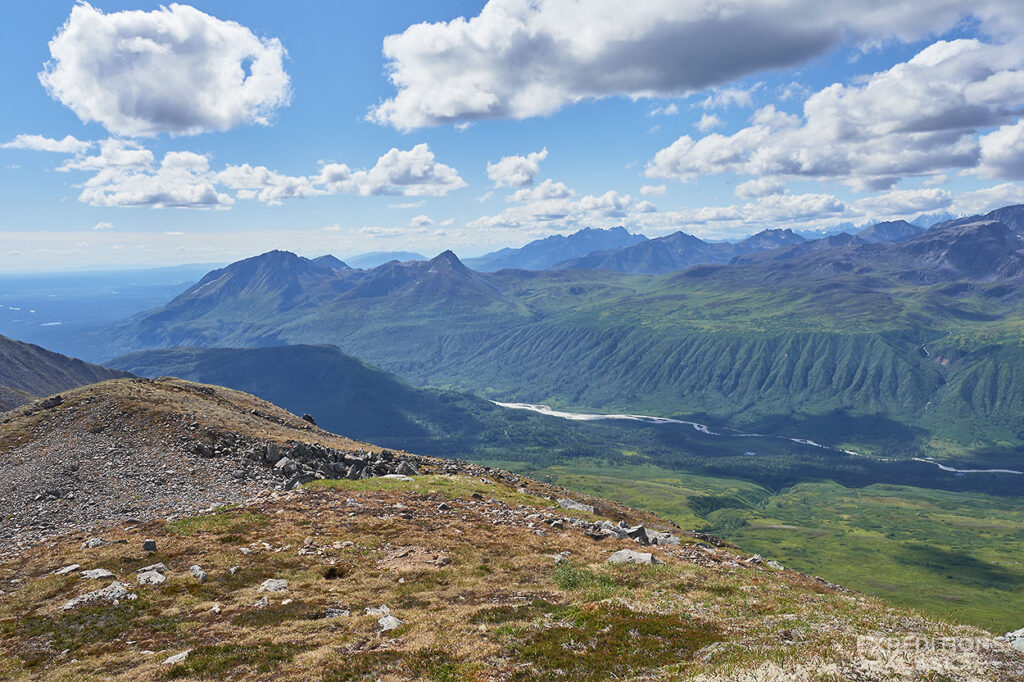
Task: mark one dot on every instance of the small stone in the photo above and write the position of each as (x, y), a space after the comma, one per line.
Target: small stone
(215, 610)
(149, 546)
(159, 568)
(388, 622)
(566, 503)
(198, 573)
(177, 658)
(150, 578)
(286, 602)
(234, 569)
(628, 556)
(97, 574)
(382, 610)
(262, 603)
(330, 612)
(93, 543)
(274, 585)
(70, 568)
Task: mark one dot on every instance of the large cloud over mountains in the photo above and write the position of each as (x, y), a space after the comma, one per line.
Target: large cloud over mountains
(917, 118)
(173, 70)
(523, 58)
(127, 175)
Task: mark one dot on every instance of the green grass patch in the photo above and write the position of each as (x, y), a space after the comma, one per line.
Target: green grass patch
(213, 662)
(451, 487)
(277, 614)
(435, 665)
(222, 523)
(499, 615)
(76, 629)
(611, 642)
(954, 555)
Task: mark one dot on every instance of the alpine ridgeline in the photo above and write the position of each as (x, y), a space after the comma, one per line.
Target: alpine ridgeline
(898, 345)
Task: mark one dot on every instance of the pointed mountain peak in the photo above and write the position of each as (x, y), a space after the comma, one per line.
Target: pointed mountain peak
(331, 262)
(447, 259)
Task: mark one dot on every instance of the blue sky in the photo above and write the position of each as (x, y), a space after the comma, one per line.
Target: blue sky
(672, 115)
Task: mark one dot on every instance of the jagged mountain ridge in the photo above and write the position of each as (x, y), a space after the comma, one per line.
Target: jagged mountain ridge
(541, 254)
(372, 259)
(678, 251)
(891, 231)
(28, 372)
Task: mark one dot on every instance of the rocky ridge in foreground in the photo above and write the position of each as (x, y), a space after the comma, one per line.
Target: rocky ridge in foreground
(456, 572)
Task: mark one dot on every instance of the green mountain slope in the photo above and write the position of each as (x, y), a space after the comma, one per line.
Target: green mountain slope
(28, 372)
(888, 348)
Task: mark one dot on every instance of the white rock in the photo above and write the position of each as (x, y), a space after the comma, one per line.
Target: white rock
(159, 568)
(628, 556)
(388, 623)
(115, 592)
(97, 574)
(198, 573)
(177, 658)
(93, 543)
(396, 477)
(566, 503)
(382, 610)
(150, 578)
(70, 568)
(274, 585)
(215, 610)
(1016, 639)
(262, 603)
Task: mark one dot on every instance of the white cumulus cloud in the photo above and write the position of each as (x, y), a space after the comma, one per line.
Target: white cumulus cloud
(172, 70)
(708, 122)
(413, 172)
(516, 171)
(126, 174)
(182, 180)
(270, 187)
(113, 153)
(915, 119)
(1002, 153)
(39, 143)
(761, 187)
(524, 58)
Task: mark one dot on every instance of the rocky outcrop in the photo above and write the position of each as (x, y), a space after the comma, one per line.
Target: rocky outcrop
(296, 463)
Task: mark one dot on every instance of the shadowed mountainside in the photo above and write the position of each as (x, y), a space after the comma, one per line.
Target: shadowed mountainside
(28, 372)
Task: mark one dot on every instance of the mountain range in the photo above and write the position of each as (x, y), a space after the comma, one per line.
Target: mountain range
(541, 254)
(913, 334)
(678, 251)
(373, 259)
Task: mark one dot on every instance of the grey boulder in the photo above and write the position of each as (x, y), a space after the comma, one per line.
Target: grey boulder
(628, 556)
